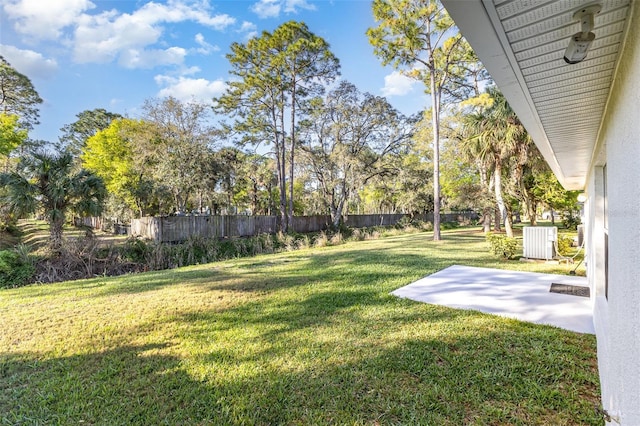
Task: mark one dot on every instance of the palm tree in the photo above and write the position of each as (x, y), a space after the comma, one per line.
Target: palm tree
(475, 150)
(496, 136)
(48, 182)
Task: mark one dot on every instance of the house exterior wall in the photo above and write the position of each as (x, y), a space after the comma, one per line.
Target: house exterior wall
(613, 211)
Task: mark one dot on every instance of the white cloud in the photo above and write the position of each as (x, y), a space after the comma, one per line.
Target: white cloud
(111, 35)
(266, 8)
(151, 58)
(189, 89)
(292, 6)
(248, 26)
(205, 48)
(397, 84)
(45, 19)
(30, 63)
(101, 38)
(249, 29)
(178, 11)
(191, 70)
(272, 8)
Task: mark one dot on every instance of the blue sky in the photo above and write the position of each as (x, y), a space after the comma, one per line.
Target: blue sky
(86, 54)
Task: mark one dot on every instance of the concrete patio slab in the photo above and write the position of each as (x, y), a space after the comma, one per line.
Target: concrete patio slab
(521, 295)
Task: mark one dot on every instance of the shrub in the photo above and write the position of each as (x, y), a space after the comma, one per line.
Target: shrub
(426, 226)
(373, 234)
(345, 230)
(358, 234)
(135, 250)
(285, 241)
(564, 245)
(303, 243)
(404, 222)
(264, 244)
(570, 221)
(321, 240)
(16, 268)
(501, 245)
(336, 239)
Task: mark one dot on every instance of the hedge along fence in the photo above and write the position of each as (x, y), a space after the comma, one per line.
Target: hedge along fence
(181, 228)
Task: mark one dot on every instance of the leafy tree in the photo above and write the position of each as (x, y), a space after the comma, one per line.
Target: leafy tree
(548, 190)
(111, 154)
(486, 132)
(274, 74)
(179, 136)
(47, 181)
(414, 188)
(419, 37)
(11, 136)
(500, 143)
(231, 178)
(89, 122)
(18, 96)
(348, 139)
(259, 174)
(460, 178)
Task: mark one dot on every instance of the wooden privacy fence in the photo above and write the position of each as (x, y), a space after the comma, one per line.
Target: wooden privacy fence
(180, 228)
(89, 221)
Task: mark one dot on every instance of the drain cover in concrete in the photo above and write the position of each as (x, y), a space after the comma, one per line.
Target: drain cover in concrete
(572, 290)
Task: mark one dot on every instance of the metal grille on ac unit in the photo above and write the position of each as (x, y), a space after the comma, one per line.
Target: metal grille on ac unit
(538, 242)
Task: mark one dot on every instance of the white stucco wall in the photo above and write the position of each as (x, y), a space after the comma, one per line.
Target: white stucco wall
(617, 318)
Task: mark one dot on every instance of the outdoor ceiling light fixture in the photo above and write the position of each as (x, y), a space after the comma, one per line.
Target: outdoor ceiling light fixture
(580, 42)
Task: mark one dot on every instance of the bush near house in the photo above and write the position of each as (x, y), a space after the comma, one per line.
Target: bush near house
(565, 243)
(501, 245)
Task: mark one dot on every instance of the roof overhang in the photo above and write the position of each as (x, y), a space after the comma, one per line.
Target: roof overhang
(522, 44)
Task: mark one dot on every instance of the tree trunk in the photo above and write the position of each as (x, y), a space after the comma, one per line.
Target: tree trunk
(485, 185)
(505, 210)
(55, 232)
(254, 198)
(508, 221)
(436, 159)
(531, 211)
(280, 166)
(498, 191)
(292, 150)
(486, 220)
(336, 213)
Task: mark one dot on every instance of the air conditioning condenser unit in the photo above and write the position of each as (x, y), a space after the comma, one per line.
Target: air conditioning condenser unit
(538, 242)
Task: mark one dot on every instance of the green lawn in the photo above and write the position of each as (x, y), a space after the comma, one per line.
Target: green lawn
(305, 337)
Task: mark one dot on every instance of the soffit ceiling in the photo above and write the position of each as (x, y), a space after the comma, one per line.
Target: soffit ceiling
(522, 44)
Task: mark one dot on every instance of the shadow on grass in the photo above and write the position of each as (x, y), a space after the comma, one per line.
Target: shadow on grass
(512, 374)
(265, 276)
(126, 385)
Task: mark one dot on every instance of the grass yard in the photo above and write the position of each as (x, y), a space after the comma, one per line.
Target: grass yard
(305, 337)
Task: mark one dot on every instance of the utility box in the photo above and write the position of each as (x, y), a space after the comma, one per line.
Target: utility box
(538, 242)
